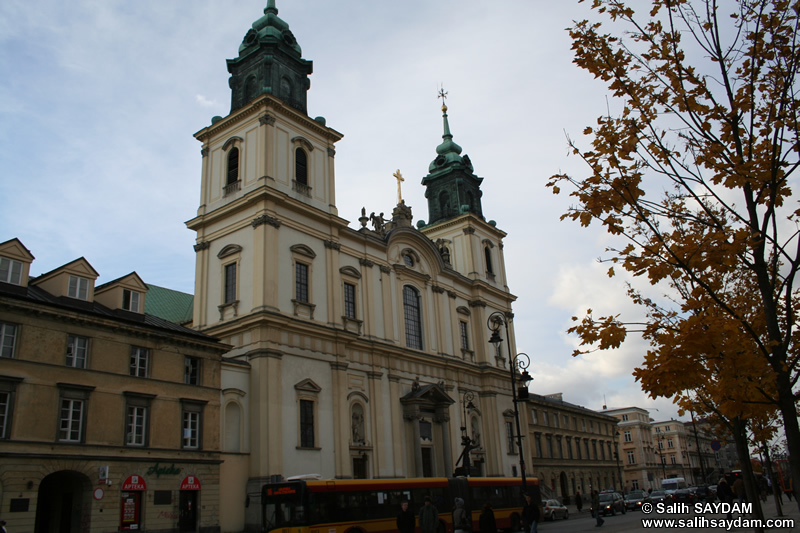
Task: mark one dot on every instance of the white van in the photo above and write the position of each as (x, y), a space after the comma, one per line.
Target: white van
(672, 484)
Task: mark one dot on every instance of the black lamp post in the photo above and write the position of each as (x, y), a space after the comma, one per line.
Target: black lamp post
(468, 443)
(517, 364)
(616, 453)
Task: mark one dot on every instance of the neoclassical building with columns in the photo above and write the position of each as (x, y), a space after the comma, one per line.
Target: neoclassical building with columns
(354, 347)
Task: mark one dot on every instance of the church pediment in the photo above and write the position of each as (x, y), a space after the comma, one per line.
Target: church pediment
(432, 394)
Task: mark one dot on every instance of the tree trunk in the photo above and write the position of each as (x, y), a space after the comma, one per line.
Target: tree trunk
(743, 451)
(791, 427)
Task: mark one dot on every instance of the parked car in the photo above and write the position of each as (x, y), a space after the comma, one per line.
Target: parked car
(683, 496)
(553, 509)
(657, 496)
(704, 493)
(634, 500)
(611, 503)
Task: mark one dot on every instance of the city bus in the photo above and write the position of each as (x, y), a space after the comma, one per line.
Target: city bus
(372, 505)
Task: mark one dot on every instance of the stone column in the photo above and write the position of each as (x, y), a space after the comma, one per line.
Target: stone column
(444, 420)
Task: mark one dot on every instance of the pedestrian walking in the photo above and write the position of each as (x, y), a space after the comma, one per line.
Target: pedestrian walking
(428, 517)
(596, 508)
(406, 521)
(530, 515)
(487, 522)
(725, 494)
(578, 501)
(460, 520)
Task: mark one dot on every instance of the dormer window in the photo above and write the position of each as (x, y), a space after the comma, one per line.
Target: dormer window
(130, 300)
(10, 271)
(78, 288)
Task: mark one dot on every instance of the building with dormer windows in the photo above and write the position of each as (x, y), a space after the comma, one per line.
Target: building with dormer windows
(109, 414)
(353, 348)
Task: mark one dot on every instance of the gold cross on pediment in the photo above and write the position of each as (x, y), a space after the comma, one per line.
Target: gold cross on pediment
(400, 179)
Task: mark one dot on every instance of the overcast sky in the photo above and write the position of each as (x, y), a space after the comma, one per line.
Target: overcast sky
(99, 101)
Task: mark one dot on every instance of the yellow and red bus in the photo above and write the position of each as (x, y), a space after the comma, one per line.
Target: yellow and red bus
(372, 505)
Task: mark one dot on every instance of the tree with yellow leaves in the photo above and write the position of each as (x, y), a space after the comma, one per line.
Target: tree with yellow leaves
(694, 175)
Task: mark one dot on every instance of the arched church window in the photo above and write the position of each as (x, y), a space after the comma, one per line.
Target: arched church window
(488, 254)
(233, 166)
(301, 166)
(413, 317)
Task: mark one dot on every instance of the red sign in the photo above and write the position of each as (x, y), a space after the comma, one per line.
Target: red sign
(190, 483)
(134, 483)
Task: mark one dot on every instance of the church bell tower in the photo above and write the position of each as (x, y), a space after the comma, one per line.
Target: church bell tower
(270, 62)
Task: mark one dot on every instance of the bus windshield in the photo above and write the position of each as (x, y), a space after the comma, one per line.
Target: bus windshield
(284, 506)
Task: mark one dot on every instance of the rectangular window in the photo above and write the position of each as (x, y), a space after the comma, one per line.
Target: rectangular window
(5, 414)
(136, 424)
(534, 416)
(555, 420)
(8, 339)
(130, 300)
(77, 350)
(78, 288)
(350, 300)
(191, 374)
(566, 422)
(306, 424)
(538, 439)
(578, 447)
(230, 283)
(669, 443)
(545, 418)
(631, 458)
(10, 271)
(140, 359)
(510, 437)
(72, 413)
(628, 437)
(301, 282)
(549, 439)
(464, 335)
(569, 448)
(191, 430)
(624, 418)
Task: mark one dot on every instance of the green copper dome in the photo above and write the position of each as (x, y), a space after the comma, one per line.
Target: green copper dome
(270, 29)
(449, 152)
(270, 62)
(451, 186)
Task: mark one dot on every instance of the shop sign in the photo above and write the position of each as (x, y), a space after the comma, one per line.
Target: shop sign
(159, 470)
(134, 483)
(190, 483)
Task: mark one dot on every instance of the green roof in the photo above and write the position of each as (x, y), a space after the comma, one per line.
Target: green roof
(168, 304)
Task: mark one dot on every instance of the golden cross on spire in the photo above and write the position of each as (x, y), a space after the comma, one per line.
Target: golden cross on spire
(400, 179)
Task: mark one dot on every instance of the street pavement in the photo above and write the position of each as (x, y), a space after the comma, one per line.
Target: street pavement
(632, 520)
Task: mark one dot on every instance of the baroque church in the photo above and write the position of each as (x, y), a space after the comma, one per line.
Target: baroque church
(355, 350)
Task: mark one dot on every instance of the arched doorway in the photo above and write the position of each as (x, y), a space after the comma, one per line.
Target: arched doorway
(564, 487)
(64, 503)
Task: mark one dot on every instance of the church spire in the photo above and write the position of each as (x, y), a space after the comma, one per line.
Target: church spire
(270, 62)
(451, 186)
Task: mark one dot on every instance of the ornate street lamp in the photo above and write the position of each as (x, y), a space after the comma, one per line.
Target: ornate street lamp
(468, 443)
(518, 365)
(616, 453)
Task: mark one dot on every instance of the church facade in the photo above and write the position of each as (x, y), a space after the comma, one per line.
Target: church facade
(353, 348)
